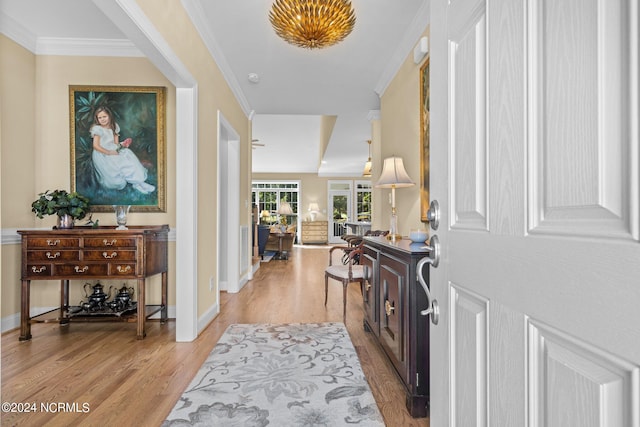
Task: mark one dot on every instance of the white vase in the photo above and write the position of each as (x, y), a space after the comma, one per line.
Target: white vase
(121, 216)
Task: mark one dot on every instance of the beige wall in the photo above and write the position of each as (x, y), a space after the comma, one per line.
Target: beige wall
(17, 151)
(400, 136)
(42, 160)
(18, 133)
(35, 112)
(171, 20)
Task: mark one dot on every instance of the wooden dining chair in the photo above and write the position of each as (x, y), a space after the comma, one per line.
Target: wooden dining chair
(344, 273)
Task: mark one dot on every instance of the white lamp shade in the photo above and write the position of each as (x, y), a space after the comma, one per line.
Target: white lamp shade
(367, 169)
(393, 174)
(285, 209)
(313, 207)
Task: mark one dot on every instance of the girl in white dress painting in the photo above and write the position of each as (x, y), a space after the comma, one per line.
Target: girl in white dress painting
(115, 164)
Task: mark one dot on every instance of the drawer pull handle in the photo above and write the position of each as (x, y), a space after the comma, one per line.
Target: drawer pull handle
(38, 269)
(388, 308)
(81, 270)
(107, 256)
(110, 243)
(54, 256)
(367, 277)
(123, 269)
(53, 242)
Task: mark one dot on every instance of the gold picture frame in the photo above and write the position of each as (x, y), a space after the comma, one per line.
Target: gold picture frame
(424, 140)
(130, 173)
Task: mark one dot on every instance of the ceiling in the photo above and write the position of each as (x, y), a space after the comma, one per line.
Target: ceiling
(298, 92)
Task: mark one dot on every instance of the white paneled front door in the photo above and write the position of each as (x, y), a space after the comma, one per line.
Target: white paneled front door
(534, 161)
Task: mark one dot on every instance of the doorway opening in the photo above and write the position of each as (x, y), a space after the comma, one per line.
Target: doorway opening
(228, 230)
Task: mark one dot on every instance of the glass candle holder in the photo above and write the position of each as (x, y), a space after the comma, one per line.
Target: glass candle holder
(121, 216)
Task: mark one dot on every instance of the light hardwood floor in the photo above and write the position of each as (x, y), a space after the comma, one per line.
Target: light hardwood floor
(127, 382)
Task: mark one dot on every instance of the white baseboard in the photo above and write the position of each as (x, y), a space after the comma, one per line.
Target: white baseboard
(208, 317)
(13, 321)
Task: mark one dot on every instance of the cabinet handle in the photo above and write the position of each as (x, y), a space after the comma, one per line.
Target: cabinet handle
(365, 272)
(109, 243)
(54, 256)
(122, 269)
(81, 270)
(388, 308)
(53, 242)
(107, 256)
(38, 269)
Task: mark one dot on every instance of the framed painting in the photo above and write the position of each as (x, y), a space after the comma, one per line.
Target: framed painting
(424, 140)
(118, 146)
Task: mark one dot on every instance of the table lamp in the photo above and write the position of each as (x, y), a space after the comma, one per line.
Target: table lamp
(313, 210)
(284, 210)
(393, 176)
(264, 215)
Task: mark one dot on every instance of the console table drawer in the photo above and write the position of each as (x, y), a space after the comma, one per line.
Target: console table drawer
(39, 270)
(81, 269)
(54, 242)
(110, 254)
(52, 255)
(122, 269)
(110, 242)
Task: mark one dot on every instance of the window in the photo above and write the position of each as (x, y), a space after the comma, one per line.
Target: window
(363, 201)
(268, 196)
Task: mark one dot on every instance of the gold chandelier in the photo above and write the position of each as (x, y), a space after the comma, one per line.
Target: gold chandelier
(312, 24)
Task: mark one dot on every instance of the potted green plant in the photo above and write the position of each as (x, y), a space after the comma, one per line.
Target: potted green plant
(67, 206)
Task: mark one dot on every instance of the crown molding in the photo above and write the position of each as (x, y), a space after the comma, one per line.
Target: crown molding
(65, 46)
(196, 14)
(17, 32)
(86, 47)
(413, 33)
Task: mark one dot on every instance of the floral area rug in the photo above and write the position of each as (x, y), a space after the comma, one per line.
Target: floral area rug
(299, 374)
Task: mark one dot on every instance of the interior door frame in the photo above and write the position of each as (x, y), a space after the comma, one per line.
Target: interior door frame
(228, 219)
(330, 194)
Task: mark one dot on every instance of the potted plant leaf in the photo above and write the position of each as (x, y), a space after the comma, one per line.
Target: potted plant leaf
(67, 206)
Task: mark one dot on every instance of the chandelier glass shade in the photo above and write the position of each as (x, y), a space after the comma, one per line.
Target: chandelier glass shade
(368, 166)
(312, 24)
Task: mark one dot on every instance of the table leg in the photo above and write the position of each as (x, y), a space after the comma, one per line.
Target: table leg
(25, 319)
(165, 292)
(64, 302)
(141, 309)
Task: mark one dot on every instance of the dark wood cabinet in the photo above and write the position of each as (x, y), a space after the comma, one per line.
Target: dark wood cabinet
(93, 253)
(393, 299)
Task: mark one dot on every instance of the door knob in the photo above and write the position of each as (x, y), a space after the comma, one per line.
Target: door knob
(433, 214)
(432, 304)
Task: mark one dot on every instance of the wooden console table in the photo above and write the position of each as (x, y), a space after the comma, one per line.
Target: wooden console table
(392, 303)
(84, 253)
